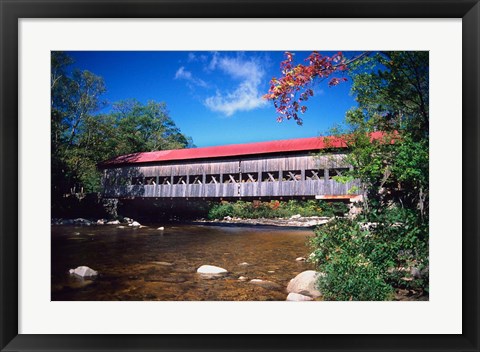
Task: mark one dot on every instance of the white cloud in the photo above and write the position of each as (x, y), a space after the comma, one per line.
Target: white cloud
(187, 75)
(191, 57)
(195, 57)
(246, 96)
(183, 74)
(213, 62)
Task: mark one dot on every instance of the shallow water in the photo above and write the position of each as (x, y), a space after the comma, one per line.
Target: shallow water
(149, 264)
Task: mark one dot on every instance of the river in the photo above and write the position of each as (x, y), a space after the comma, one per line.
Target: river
(149, 264)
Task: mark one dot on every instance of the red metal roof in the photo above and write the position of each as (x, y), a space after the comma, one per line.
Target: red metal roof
(291, 145)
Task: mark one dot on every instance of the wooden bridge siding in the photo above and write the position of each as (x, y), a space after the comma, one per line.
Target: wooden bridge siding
(200, 168)
(229, 190)
(251, 165)
(305, 162)
(252, 189)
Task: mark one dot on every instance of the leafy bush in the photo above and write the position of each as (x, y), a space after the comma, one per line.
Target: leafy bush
(219, 211)
(275, 209)
(335, 208)
(366, 261)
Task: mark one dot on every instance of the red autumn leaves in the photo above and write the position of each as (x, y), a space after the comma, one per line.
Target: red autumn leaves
(293, 89)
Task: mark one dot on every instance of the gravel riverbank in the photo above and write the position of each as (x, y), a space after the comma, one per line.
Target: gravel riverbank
(293, 221)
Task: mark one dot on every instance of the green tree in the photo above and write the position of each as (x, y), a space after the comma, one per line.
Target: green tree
(82, 137)
(146, 128)
(393, 99)
(74, 97)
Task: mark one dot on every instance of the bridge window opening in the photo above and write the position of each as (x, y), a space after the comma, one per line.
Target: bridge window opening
(137, 181)
(270, 176)
(248, 178)
(111, 181)
(150, 181)
(212, 179)
(164, 180)
(314, 175)
(293, 175)
(179, 180)
(231, 178)
(337, 172)
(122, 181)
(196, 179)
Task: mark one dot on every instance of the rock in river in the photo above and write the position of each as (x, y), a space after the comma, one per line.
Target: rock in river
(81, 221)
(211, 270)
(83, 271)
(297, 297)
(305, 284)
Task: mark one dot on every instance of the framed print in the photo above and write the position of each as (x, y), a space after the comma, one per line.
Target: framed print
(110, 282)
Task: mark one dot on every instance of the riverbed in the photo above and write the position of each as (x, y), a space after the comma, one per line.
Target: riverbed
(138, 264)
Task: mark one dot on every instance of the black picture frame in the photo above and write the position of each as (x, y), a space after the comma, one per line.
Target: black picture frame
(11, 11)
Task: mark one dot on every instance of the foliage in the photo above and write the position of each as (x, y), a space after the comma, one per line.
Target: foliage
(290, 92)
(145, 128)
(82, 137)
(365, 261)
(275, 209)
(393, 99)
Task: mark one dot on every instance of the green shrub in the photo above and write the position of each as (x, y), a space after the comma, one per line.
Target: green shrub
(219, 211)
(275, 209)
(334, 208)
(353, 278)
(367, 260)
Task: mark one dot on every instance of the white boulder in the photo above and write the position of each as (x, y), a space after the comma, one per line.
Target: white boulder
(135, 224)
(211, 270)
(113, 222)
(161, 228)
(305, 284)
(83, 271)
(81, 221)
(297, 297)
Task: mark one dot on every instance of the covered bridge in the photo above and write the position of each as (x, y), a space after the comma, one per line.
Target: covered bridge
(275, 169)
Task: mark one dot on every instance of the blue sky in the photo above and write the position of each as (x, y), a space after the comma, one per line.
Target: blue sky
(215, 97)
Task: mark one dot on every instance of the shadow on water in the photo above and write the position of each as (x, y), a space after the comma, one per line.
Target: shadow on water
(150, 264)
